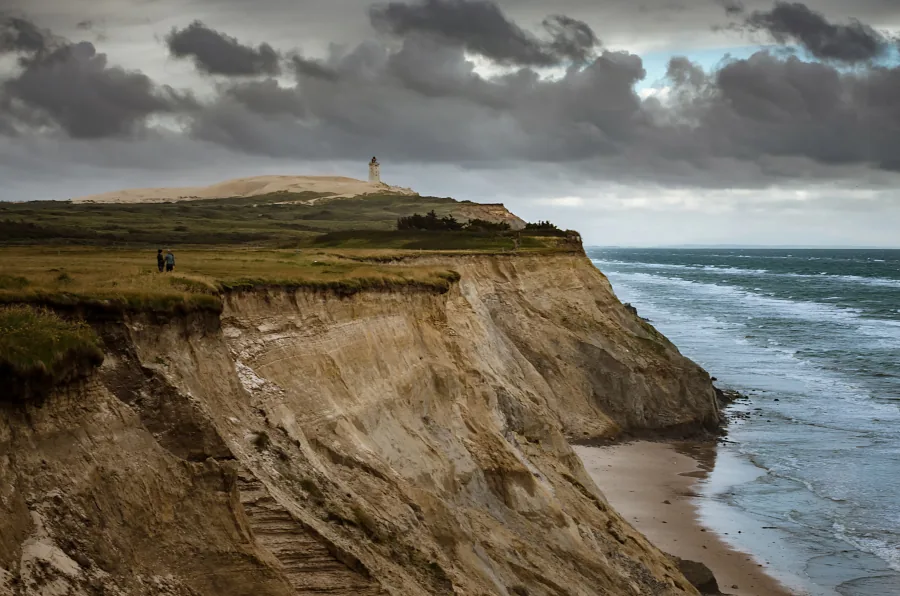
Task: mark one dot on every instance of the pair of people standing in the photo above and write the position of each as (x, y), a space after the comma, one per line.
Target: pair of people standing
(166, 261)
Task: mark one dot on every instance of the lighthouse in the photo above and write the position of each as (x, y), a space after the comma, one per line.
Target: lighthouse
(374, 171)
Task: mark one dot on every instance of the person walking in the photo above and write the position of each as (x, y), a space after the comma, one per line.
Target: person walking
(160, 260)
(170, 261)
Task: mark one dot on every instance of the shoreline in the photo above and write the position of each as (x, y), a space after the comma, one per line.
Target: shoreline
(653, 487)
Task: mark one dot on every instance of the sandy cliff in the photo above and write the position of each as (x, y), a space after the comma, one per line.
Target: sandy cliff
(385, 443)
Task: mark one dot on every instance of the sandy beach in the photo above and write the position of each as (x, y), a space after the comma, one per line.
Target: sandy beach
(652, 486)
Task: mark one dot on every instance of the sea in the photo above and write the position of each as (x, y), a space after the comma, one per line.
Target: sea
(808, 481)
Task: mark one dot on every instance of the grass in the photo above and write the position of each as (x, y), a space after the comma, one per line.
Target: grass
(432, 240)
(122, 280)
(278, 220)
(39, 349)
(101, 257)
(270, 220)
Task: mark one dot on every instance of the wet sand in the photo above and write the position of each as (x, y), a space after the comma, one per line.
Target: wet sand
(652, 486)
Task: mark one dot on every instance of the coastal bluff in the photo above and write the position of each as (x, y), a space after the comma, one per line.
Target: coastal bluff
(399, 441)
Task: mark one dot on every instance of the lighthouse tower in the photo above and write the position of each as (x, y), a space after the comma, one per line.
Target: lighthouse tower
(374, 171)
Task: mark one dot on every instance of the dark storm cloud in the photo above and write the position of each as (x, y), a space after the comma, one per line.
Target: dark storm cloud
(792, 22)
(216, 53)
(425, 102)
(20, 35)
(76, 88)
(72, 87)
(266, 97)
(571, 39)
(305, 67)
(771, 107)
(481, 27)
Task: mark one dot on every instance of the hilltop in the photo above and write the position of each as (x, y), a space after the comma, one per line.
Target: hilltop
(333, 186)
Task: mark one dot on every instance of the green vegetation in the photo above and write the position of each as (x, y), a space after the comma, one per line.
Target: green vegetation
(481, 225)
(126, 280)
(273, 220)
(430, 221)
(101, 257)
(545, 228)
(448, 223)
(435, 241)
(38, 350)
(278, 220)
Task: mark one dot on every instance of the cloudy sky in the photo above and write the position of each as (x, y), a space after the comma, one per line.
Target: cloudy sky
(637, 122)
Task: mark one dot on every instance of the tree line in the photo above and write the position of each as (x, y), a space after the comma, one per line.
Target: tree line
(431, 222)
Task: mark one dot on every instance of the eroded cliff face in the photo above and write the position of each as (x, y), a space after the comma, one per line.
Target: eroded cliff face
(386, 443)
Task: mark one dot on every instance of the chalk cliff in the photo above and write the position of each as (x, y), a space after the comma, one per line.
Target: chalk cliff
(407, 442)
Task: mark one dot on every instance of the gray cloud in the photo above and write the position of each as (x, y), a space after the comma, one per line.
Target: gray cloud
(266, 97)
(20, 35)
(787, 108)
(424, 102)
(571, 39)
(751, 122)
(791, 22)
(420, 99)
(73, 88)
(216, 53)
(481, 27)
(304, 67)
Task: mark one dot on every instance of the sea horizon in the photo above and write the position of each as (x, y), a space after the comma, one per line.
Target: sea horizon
(743, 246)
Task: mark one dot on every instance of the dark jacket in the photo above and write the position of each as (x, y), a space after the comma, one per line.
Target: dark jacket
(160, 259)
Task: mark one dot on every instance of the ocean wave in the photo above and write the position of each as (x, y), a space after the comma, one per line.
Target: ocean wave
(887, 552)
(727, 270)
(784, 473)
(818, 391)
(781, 307)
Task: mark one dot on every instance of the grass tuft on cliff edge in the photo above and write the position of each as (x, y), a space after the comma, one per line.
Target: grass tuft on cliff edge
(39, 350)
(110, 281)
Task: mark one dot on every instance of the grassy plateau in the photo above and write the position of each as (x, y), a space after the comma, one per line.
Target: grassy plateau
(61, 253)
(275, 219)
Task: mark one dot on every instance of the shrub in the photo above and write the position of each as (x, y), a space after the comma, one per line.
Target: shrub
(544, 226)
(482, 225)
(39, 350)
(429, 221)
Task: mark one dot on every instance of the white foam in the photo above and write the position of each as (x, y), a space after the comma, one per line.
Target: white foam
(725, 270)
(780, 307)
(889, 553)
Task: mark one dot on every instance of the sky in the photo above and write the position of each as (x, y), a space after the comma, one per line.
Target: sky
(636, 122)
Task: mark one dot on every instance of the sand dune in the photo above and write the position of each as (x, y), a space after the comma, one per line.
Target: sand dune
(248, 187)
